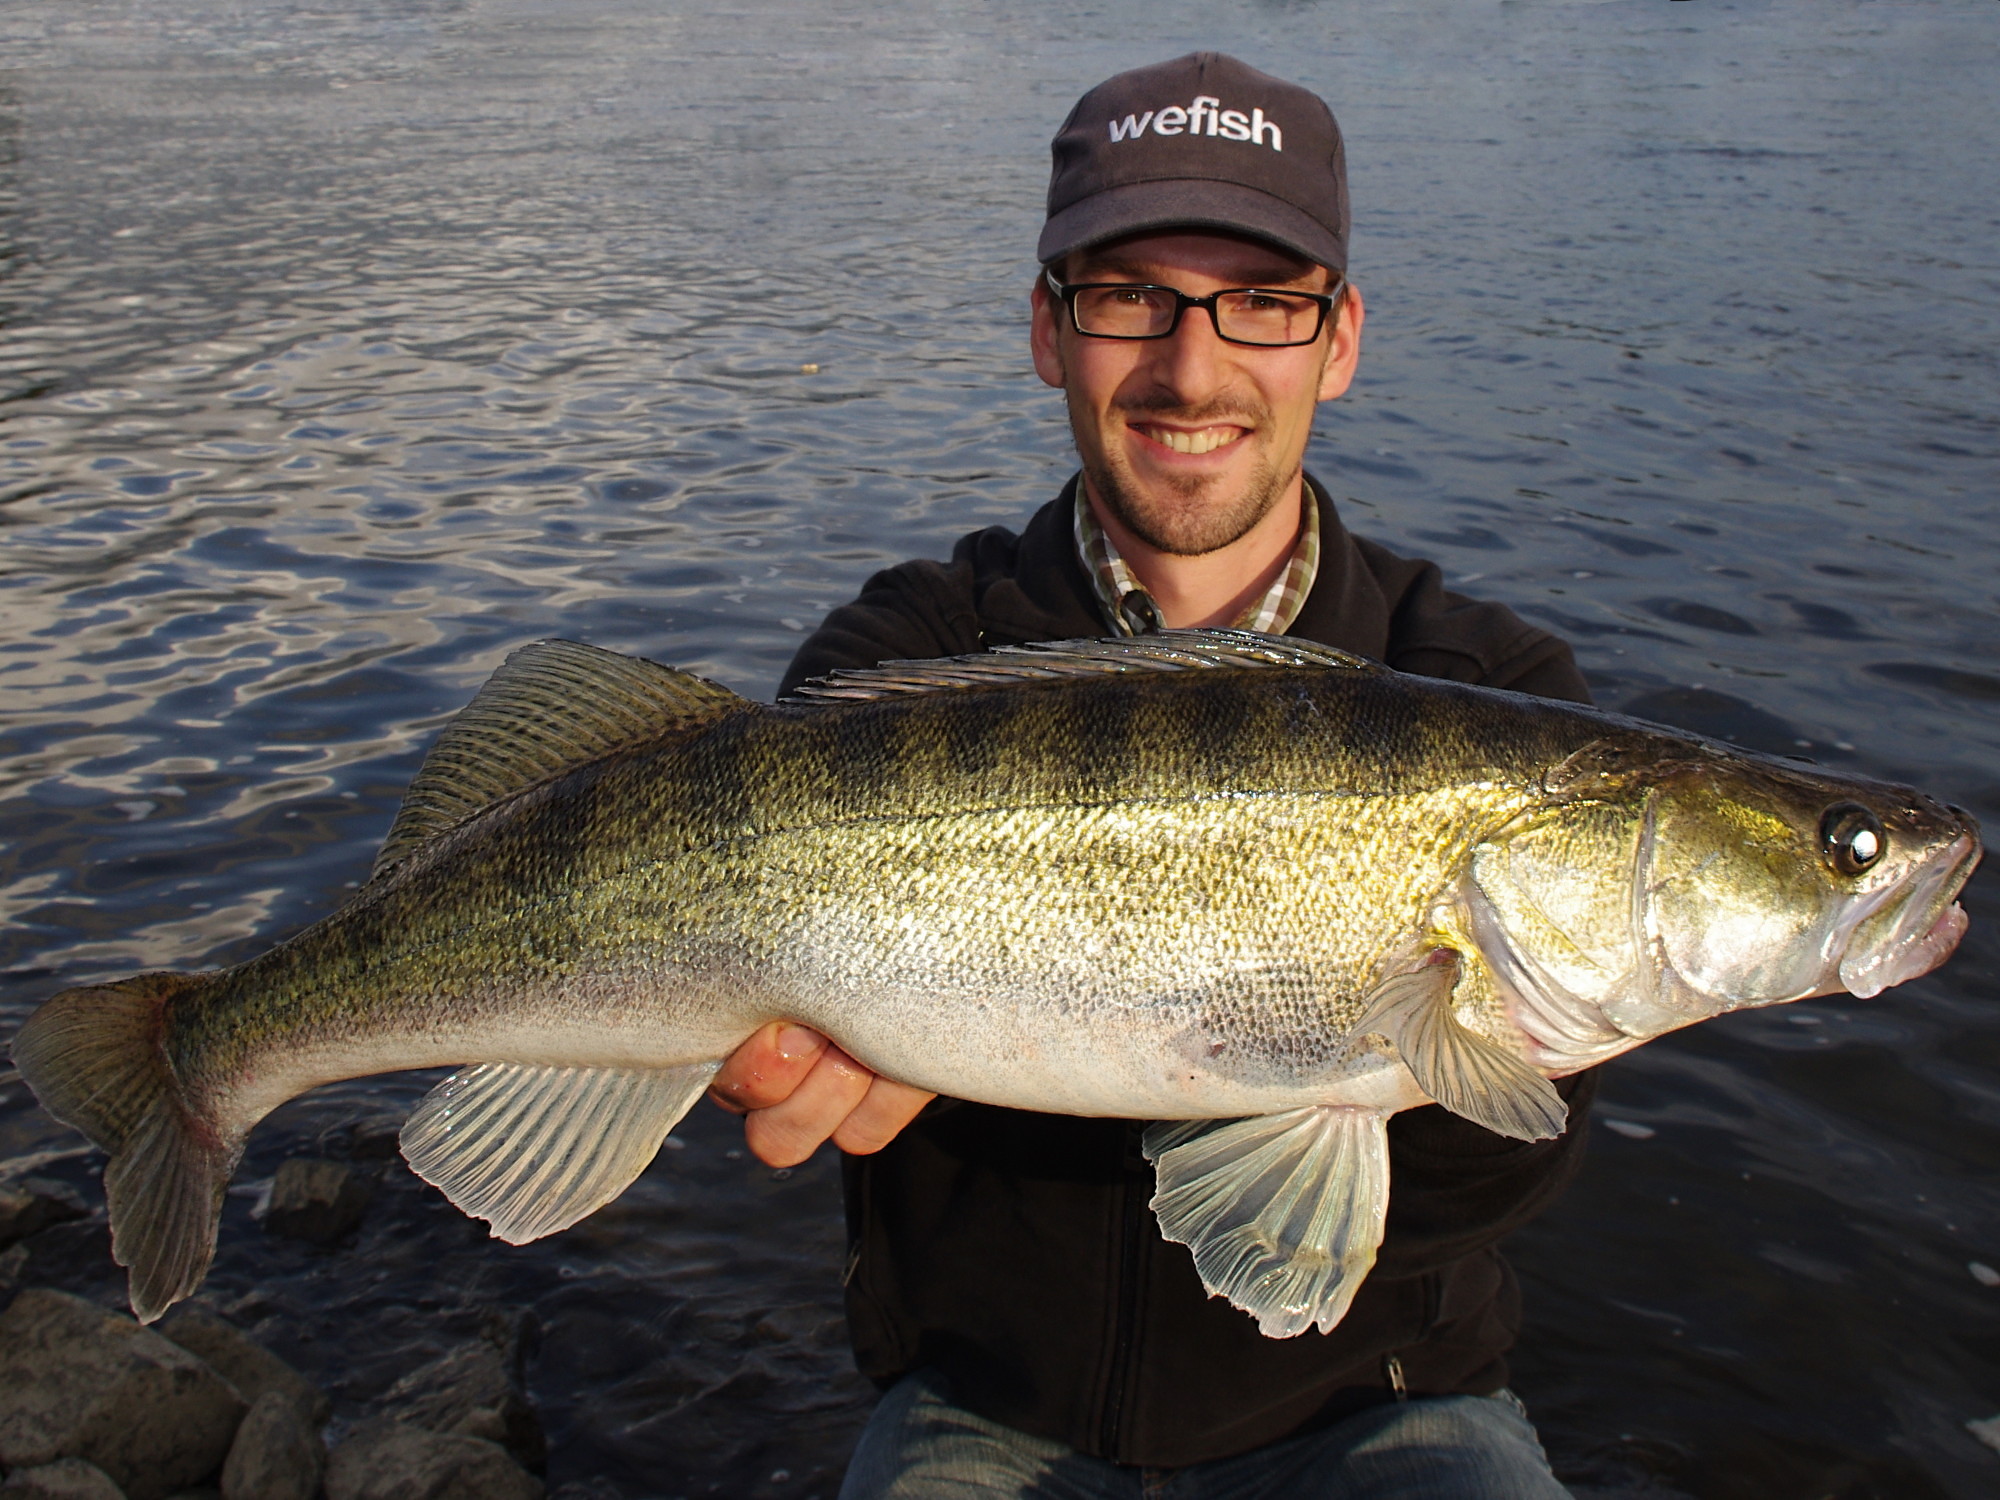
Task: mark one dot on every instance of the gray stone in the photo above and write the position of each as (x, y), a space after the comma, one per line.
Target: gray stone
(385, 1460)
(277, 1454)
(317, 1200)
(34, 1203)
(242, 1361)
(77, 1381)
(65, 1479)
(469, 1390)
(377, 1138)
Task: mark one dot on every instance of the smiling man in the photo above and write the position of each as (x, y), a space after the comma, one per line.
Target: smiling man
(1008, 1286)
(1192, 439)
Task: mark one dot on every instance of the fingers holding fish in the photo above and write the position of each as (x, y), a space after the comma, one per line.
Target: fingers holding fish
(880, 1116)
(766, 1069)
(798, 1092)
(787, 1132)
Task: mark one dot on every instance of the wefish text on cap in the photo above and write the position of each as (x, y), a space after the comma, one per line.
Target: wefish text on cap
(1230, 124)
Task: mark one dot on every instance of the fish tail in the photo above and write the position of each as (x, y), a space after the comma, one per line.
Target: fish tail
(95, 1060)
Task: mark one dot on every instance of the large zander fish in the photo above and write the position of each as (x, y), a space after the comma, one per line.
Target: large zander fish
(1259, 890)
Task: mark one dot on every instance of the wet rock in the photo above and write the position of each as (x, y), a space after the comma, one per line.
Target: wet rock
(65, 1479)
(316, 1200)
(242, 1361)
(13, 1265)
(33, 1204)
(385, 1460)
(277, 1454)
(77, 1381)
(470, 1391)
(376, 1138)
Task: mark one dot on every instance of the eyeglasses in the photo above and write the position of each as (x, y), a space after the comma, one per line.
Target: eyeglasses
(1241, 315)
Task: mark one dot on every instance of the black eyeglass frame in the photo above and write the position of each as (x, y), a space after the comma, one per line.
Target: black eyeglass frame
(1066, 294)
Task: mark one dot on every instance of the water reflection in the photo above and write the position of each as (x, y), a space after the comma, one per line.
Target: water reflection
(348, 351)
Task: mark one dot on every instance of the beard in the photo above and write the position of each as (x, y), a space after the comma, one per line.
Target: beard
(1192, 515)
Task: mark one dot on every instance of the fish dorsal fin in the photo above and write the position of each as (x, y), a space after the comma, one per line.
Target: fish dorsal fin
(551, 707)
(1283, 1212)
(1163, 651)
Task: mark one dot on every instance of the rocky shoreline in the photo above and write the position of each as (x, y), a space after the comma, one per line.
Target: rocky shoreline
(95, 1407)
(360, 1339)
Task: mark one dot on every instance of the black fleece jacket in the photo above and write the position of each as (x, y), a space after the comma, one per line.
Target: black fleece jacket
(1015, 1253)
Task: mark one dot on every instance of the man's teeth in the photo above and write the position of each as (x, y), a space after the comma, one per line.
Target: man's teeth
(1204, 441)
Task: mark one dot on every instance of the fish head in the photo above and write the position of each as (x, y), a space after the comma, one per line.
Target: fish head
(1659, 889)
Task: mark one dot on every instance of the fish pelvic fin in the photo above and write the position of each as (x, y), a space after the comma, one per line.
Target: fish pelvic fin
(1283, 1212)
(93, 1057)
(1470, 1075)
(533, 1150)
(551, 707)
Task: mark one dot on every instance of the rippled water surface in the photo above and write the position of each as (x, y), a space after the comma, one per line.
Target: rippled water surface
(348, 347)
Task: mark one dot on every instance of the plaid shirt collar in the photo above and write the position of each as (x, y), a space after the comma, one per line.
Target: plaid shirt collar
(1130, 610)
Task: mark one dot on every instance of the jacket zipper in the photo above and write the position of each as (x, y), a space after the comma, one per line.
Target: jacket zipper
(1392, 1364)
(1392, 1369)
(1125, 1335)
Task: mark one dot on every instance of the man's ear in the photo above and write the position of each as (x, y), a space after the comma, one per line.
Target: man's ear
(1043, 336)
(1345, 353)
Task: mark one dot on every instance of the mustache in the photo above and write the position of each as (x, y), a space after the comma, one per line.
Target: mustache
(1216, 412)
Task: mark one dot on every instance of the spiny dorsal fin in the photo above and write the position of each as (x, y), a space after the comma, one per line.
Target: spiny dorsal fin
(1165, 651)
(551, 707)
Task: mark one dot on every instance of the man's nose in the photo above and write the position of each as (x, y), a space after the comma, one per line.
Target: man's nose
(1191, 361)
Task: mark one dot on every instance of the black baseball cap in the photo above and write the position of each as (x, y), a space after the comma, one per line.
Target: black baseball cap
(1202, 142)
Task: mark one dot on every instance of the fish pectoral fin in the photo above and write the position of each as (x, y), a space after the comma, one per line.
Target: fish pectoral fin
(1283, 1212)
(1465, 1072)
(533, 1150)
(552, 706)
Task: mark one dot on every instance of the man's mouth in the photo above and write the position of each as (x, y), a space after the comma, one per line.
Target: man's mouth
(1190, 440)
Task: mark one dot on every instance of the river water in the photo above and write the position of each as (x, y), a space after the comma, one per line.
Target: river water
(349, 346)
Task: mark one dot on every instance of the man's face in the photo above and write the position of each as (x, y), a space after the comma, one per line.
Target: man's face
(1188, 440)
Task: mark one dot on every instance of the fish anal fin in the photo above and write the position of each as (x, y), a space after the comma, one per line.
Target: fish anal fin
(1163, 651)
(1470, 1075)
(533, 1150)
(92, 1055)
(1283, 1212)
(551, 706)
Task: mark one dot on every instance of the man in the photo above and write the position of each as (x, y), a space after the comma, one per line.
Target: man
(1008, 1285)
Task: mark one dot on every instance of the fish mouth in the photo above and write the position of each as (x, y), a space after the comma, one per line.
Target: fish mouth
(1928, 925)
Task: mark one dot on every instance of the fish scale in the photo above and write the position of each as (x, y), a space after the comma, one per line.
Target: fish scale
(1261, 892)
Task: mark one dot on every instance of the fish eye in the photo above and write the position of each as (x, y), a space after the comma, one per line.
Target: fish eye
(1852, 837)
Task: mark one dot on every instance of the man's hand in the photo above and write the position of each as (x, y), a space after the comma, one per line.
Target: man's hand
(796, 1089)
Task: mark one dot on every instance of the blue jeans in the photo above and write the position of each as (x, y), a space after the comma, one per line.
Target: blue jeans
(918, 1446)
